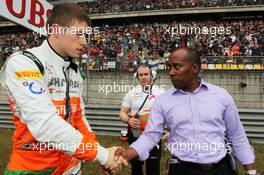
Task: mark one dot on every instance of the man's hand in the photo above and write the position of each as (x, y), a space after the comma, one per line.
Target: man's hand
(114, 163)
(133, 122)
(121, 152)
(128, 154)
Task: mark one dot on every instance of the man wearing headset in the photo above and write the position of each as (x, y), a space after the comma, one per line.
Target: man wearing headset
(135, 111)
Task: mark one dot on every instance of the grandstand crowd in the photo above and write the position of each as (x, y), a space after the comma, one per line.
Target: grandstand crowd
(143, 40)
(147, 41)
(117, 6)
(10, 43)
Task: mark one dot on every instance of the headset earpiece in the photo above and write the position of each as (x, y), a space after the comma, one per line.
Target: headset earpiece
(135, 76)
(153, 73)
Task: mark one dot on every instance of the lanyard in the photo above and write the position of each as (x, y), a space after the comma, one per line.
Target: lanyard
(67, 95)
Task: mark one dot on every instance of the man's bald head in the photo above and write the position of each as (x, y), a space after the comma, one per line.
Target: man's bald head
(190, 54)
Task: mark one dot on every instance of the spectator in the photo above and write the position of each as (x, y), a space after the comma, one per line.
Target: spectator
(154, 62)
(102, 60)
(117, 6)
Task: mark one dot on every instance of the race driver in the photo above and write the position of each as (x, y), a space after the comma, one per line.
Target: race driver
(44, 85)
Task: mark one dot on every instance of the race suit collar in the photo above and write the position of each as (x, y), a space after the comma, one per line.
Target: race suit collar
(65, 58)
(60, 60)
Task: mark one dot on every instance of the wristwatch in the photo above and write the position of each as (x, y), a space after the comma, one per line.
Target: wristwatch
(251, 172)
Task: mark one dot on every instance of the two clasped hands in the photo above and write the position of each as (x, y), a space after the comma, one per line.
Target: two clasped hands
(117, 159)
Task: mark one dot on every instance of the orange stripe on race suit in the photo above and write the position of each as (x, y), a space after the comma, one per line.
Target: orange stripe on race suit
(88, 148)
(11, 104)
(76, 114)
(72, 163)
(24, 160)
(74, 104)
(30, 160)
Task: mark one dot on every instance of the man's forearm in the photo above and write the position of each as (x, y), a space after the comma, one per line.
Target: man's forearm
(123, 116)
(131, 153)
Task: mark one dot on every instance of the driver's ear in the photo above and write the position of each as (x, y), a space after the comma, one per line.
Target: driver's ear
(55, 30)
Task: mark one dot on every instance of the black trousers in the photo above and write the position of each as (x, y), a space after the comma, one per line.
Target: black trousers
(152, 163)
(186, 169)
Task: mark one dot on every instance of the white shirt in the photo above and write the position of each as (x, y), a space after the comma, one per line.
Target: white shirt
(135, 98)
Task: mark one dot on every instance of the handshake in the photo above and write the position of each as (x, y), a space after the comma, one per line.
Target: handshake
(117, 159)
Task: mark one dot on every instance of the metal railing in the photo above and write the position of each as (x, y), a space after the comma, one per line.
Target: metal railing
(233, 60)
(124, 65)
(105, 121)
